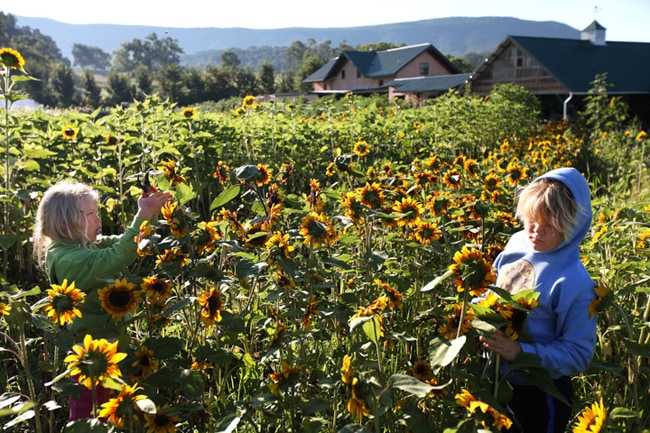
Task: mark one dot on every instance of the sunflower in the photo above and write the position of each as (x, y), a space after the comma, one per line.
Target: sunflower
(222, 172)
(64, 302)
(240, 111)
(346, 370)
(111, 140)
(145, 247)
(145, 362)
(116, 410)
(353, 207)
(330, 170)
(453, 179)
(602, 291)
(173, 256)
(170, 169)
(372, 195)
(175, 218)
(69, 132)
(492, 182)
(249, 101)
(156, 288)
(357, 406)
(119, 298)
(280, 242)
(310, 312)
(206, 235)
(211, 306)
(409, 212)
(163, 421)
(317, 229)
(591, 419)
(516, 317)
(471, 166)
(472, 271)
(264, 175)
(284, 280)
(10, 58)
(188, 113)
(422, 370)
(4, 309)
(93, 361)
(314, 198)
(516, 173)
(285, 374)
(458, 323)
(426, 232)
(286, 172)
(393, 295)
(361, 148)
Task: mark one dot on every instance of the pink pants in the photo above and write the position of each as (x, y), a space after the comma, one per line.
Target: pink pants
(83, 407)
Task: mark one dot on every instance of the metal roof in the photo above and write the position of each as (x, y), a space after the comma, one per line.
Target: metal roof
(575, 63)
(374, 64)
(431, 83)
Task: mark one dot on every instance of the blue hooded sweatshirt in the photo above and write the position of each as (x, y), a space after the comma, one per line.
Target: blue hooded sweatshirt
(562, 331)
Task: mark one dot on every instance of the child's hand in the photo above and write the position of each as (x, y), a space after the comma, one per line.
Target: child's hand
(149, 205)
(501, 344)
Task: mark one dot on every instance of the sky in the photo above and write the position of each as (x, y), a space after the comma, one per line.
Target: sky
(625, 20)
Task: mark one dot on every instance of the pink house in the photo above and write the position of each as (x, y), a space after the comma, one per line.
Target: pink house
(363, 72)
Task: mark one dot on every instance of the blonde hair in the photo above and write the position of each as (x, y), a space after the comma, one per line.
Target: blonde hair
(549, 201)
(59, 217)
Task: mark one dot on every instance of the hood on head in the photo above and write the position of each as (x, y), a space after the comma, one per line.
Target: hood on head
(579, 187)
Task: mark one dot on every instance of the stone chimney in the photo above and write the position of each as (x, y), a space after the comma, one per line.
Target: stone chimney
(595, 33)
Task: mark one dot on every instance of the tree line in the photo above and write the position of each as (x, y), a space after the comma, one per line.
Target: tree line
(153, 66)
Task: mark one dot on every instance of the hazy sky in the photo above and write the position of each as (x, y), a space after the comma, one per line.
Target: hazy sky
(625, 20)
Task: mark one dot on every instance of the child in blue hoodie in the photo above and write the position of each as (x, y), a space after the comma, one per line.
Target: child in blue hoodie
(555, 210)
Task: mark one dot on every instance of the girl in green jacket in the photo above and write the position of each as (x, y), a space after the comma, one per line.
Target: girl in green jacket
(68, 246)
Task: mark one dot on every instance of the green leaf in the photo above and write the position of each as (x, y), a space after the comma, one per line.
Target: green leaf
(372, 329)
(443, 352)
(226, 196)
(434, 283)
(358, 321)
(246, 172)
(315, 405)
(184, 193)
(411, 385)
(147, 406)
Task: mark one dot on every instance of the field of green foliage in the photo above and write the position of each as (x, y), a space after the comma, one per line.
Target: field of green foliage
(314, 271)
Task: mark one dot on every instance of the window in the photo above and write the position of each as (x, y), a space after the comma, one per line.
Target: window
(424, 69)
(380, 83)
(358, 73)
(342, 74)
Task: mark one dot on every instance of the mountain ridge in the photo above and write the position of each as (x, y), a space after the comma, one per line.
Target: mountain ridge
(452, 36)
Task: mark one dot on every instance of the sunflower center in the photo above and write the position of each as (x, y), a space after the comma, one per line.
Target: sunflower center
(119, 298)
(161, 420)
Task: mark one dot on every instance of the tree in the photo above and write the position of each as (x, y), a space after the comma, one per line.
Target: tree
(461, 64)
(170, 81)
(143, 82)
(311, 65)
(229, 59)
(267, 78)
(118, 88)
(41, 56)
(62, 84)
(194, 85)
(153, 53)
(245, 81)
(287, 82)
(91, 94)
(90, 57)
(219, 84)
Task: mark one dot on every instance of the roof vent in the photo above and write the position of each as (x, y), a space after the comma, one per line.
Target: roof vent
(595, 33)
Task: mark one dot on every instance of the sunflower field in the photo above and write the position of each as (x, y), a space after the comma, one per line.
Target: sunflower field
(316, 268)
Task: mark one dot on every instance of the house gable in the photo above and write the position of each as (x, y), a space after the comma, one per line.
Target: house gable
(546, 66)
(355, 71)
